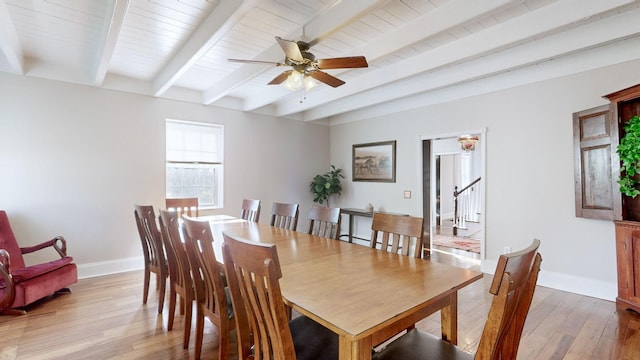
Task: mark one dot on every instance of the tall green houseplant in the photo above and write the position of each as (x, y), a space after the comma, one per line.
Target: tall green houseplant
(629, 152)
(323, 186)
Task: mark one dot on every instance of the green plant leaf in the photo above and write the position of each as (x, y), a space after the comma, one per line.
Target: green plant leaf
(327, 184)
(629, 152)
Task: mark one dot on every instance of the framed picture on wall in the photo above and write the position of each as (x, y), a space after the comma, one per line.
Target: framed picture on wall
(374, 161)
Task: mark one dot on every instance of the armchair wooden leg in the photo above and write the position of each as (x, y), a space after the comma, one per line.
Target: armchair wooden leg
(64, 291)
(13, 312)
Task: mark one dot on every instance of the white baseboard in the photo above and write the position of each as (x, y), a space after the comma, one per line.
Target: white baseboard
(574, 284)
(110, 267)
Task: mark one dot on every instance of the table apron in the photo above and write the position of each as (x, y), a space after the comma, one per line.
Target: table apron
(390, 329)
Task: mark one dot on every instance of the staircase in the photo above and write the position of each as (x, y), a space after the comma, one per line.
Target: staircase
(467, 209)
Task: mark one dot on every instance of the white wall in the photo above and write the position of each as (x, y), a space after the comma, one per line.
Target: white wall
(529, 171)
(74, 160)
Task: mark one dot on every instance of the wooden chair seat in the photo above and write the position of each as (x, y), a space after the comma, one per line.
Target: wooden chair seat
(513, 286)
(419, 345)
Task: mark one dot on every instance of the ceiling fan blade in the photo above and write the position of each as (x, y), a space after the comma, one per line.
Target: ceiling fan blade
(342, 63)
(326, 78)
(280, 78)
(256, 62)
(291, 49)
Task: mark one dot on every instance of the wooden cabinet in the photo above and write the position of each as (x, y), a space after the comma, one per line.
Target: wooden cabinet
(628, 257)
(624, 105)
(596, 135)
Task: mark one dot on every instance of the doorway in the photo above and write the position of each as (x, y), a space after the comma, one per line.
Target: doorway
(454, 230)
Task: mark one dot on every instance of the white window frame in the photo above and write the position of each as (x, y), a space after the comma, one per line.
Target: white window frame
(194, 145)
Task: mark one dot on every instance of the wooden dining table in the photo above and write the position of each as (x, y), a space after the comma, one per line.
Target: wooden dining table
(364, 295)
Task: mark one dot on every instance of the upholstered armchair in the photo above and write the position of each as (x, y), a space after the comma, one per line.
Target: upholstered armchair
(21, 285)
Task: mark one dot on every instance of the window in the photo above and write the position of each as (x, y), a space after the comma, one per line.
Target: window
(195, 162)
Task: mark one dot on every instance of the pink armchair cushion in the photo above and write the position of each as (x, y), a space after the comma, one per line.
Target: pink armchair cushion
(44, 285)
(30, 272)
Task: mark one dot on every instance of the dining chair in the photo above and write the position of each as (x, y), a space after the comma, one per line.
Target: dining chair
(180, 280)
(208, 280)
(513, 286)
(325, 222)
(250, 210)
(397, 233)
(154, 257)
(184, 206)
(284, 216)
(263, 330)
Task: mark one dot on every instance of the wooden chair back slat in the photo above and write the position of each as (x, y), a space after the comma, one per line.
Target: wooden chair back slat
(325, 222)
(250, 210)
(153, 251)
(285, 216)
(253, 273)
(184, 206)
(397, 234)
(208, 281)
(513, 286)
(180, 280)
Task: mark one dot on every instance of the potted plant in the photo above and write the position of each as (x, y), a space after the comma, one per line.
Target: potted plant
(323, 186)
(629, 152)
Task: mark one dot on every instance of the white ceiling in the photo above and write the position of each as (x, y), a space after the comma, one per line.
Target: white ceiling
(419, 51)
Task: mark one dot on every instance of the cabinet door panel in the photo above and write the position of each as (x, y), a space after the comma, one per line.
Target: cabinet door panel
(594, 161)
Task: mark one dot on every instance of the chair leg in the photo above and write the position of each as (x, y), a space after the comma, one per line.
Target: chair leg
(199, 331)
(12, 312)
(64, 291)
(223, 347)
(187, 323)
(172, 307)
(161, 293)
(147, 279)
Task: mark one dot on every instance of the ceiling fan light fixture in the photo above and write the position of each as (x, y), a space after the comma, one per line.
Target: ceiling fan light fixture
(309, 82)
(294, 81)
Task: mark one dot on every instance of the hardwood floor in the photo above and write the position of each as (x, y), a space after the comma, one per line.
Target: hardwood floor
(104, 319)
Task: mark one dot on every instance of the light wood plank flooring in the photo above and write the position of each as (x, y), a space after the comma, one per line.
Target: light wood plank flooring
(104, 319)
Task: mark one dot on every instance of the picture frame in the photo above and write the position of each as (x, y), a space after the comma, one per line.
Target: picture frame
(374, 162)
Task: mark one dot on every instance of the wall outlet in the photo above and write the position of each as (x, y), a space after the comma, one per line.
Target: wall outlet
(407, 194)
(506, 250)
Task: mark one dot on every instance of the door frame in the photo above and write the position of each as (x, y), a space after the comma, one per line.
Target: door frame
(481, 147)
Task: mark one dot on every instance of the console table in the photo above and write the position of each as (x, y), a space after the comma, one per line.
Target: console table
(362, 213)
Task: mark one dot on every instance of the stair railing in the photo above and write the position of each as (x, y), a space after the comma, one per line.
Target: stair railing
(466, 206)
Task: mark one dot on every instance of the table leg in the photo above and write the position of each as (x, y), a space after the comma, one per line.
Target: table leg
(355, 349)
(449, 319)
(350, 228)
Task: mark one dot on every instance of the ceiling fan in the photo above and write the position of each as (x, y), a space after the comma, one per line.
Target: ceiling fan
(304, 64)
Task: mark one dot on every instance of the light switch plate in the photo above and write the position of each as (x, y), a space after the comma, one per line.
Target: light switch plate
(407, 194)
